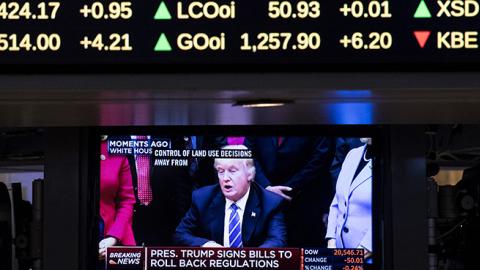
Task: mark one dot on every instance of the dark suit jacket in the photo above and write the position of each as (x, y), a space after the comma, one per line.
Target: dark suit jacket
(171, 190)
(295, 163)
(303, 164)
(205, 220)
(206, 174)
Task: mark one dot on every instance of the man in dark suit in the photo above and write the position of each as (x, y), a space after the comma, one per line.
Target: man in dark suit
(297, 168)
(233, 213)
(155, 220)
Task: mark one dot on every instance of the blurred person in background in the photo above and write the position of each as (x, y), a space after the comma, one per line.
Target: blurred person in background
(350, 216)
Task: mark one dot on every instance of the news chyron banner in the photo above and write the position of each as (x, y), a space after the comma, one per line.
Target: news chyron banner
(150, 258)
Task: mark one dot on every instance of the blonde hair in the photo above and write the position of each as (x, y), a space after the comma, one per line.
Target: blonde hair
(247, 162)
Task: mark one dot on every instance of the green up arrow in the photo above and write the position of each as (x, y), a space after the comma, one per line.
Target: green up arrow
(162, 12)
(162, 44)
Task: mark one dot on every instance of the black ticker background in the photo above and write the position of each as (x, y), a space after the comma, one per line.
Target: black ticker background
(251, 17)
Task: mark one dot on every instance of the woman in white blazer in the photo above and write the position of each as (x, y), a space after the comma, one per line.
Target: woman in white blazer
(350, 216)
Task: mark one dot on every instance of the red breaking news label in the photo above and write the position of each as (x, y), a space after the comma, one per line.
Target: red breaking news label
(131, 258)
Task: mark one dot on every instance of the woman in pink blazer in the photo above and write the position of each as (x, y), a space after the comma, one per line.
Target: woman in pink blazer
(116, 200)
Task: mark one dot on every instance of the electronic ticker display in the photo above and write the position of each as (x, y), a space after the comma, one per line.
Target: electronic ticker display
(229, 32)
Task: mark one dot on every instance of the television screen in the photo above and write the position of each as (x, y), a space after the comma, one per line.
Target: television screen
(234, 202)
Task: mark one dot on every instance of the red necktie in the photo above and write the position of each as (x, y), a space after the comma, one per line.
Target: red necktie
(143, 176)
(280, 140)
(235, 140)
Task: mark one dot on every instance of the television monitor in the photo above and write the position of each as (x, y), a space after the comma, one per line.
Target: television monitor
(243, 200)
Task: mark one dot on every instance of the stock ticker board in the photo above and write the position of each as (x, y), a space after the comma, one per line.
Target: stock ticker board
(315, 33)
